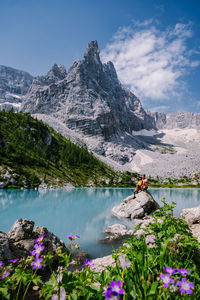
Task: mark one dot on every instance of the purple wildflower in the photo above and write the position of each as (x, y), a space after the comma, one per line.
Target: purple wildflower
(38, 249)
(150, 239)
(160, 221)
(1, 263)
(13, 260)
(123, 262)
(4, 275)
(37, 263)
(176, 236)
(116, 287)
(169, 270)
(62, 295)
(114, 291)
(166, 279)
(73, 262)
(183, 272)
(111, 295)
(72, 237)
(139, 232)
(40, 238)
(185, 286)
(88, 263)
(59, 278)
(151, 245)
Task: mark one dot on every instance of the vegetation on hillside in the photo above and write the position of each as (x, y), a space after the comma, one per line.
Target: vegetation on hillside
(32, 152)
(160, 261)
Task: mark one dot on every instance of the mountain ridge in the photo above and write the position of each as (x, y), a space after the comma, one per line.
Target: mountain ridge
(14, 84)
(89, 105)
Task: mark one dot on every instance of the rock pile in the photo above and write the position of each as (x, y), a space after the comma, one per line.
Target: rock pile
(20, 240)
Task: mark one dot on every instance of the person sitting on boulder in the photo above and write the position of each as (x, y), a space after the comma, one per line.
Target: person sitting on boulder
(138, 186)
(144, 183)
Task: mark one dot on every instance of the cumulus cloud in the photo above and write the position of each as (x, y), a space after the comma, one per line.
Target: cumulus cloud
(150, 61)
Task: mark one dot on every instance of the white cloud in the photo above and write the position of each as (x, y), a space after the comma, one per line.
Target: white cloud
(150, 61)
(160, 108)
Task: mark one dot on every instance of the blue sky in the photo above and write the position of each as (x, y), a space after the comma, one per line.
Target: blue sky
(154, 44)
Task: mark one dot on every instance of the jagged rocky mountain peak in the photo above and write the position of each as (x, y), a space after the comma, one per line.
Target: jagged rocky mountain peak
(92, 51)
(57, 72)
(88, 98)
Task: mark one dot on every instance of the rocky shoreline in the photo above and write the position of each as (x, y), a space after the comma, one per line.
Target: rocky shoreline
(20, 239)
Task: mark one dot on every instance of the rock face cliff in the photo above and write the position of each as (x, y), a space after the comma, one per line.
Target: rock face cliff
(14, 84)
(180, 120)
(88, 98)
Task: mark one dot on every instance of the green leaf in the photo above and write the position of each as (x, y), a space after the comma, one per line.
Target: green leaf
(153, 288)
(5, 292)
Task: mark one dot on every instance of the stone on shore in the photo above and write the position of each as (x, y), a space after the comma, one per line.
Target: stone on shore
(116, 232)
(136, 208)
(192, 217)
(101, 263)
(4, 247)
(21, 238)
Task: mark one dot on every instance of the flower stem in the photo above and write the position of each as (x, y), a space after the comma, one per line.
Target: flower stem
(19, 289)
(26, 290)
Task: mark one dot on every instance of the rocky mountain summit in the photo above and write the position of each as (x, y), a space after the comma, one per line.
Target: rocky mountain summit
(14, 84)
(90, 101)
(88, 98)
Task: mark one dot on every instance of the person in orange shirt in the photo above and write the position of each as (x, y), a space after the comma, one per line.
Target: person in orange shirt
(145, 183)
(138, 186)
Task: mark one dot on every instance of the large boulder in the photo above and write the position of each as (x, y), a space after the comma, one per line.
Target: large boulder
(192, 217)
(136, 208)
(21, 230)
(21, 239)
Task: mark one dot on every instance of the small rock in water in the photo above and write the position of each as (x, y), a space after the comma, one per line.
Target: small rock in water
(116, 232)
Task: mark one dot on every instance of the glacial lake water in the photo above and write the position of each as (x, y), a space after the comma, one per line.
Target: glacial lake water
(82, 211)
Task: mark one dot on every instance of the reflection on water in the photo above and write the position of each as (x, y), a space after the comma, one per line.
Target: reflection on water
(82, 211)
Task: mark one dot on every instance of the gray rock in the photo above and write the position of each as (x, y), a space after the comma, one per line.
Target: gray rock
(5, 252)
(52, 241)
(14, 84)
(21, 230)
(116, 232)
(21, 239)
(135, 208)
(101, 263)
(196, 231)
(3, 185)
(116, 229)
(176, 120)
(192, 217)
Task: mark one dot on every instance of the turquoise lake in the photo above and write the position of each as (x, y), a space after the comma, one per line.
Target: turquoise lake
(82, 211)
